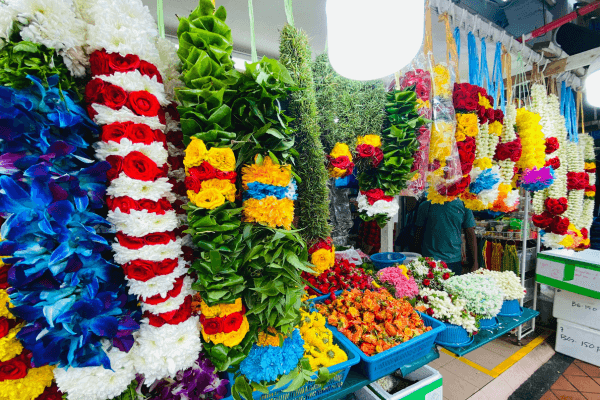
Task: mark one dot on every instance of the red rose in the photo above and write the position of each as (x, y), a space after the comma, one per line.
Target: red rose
(165, 267)
(430, 312)
(157, 207)
(51, 393)
(232, 322)
(482, 115)
(212, 326)
(192, 183)
(125, 204)
(556, 206)
(499, 116)
(140, 270)
(162, 116)
(159, 238)
(425, 299)
(342, 162)
(590, 188)
(377, 157)
(374, 195)
(542, 220)
(140, 133)
(157, 299)
(160, 137)
(175, 162)
(203, 172)
(15, 368)
(559, 226)
(4, 327)
(510, 150)
(460, 186)
(426, 282)
(114, 96)
(91, 111)
(116, 166)
(554, 163)
(577, 181)
(144, 103)
(150, 70)
(94, 90)
(446, 276)
(131, 242)
(321, 244)
(552, 145)
(115, 131)
(182, 314)
(490, 114)
(176, 139)
(229, 176)
(584, 233)
(365, 150)
(4, 276)
(137, 165)
(99, 63)
(123, 64)
(430, 275)
(431, 264)
(172, 111)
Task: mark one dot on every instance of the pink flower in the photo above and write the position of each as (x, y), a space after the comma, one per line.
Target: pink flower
(404, 287)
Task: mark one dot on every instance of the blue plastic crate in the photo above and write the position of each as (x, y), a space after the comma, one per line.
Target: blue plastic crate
(321, 299)
(384, 260)
(454, 336)
(510, 308)
(311, 390)
(488, 323)
(382, 364)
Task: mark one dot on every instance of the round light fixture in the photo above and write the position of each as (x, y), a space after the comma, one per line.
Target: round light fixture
(592, 84)
(371, 40)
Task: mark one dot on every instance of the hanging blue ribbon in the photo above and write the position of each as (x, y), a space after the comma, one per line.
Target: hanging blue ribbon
(484, 73)
(474, 78)
(574, 137)
(457, 41)
(563, 97)
(497, 80)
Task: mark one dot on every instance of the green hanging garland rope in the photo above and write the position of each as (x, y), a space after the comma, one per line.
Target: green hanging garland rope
(288, 12)
(252, 37)
(160, 18)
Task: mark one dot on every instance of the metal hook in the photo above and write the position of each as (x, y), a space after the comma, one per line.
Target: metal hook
(502, 37)
(511, 44)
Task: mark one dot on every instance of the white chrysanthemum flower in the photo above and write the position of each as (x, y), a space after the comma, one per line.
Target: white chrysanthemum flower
(133, 81)
(159, 285)
(162, 352)
(512, 199)
(8, 16)
(157, 252)
(553, 240)
(107, 116)
(389, 208)
(172, 303)
(138, 190)
(508, 281)
(97, 383)
(139, 223)
(419, 268)
(154, 151)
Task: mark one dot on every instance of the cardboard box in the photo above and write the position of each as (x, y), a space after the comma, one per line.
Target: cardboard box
(576, 308)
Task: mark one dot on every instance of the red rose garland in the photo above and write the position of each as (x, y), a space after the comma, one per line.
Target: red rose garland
(127, 98)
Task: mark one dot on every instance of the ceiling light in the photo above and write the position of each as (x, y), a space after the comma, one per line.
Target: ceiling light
(374, 39)
(592, 84)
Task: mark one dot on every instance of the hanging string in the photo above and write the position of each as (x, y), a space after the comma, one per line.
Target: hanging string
(484, 73)
(160, 18)
(474, 78)
(288, 12)
(573, 115)
(252, 37)
(457, 41)
(563, 101)
(428, 45)
(450, 46)
(507, 67)
(497, 79)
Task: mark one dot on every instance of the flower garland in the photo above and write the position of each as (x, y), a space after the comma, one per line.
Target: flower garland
(322, 256)
(577, 181)
(429, 273)
(508, 282)
(340, 161)
(532, 140)
(483, 296)
(587, 216)
(447, 308)
(318, 342)
(508, 153)
(398, 277)
(127, 98)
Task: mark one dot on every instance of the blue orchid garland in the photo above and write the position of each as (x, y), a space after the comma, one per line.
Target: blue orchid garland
(70, 295)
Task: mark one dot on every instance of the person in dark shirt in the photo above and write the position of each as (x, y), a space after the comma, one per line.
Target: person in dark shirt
(438, 235)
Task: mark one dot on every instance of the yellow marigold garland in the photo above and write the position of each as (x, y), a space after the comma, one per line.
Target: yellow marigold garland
(219, 311)
(268, 173)
(5, 305)
(373, 140)
(29, 387)
(270, 212)
(195, 153)
(532, 140)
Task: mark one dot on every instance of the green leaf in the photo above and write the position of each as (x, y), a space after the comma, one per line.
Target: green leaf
(296, 384)
(284, 380)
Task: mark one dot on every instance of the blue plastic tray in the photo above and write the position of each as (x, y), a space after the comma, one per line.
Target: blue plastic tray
(383, 364)
(321, 299)
(310, 390)
(384, 260)
(511, 308)
(454, 335)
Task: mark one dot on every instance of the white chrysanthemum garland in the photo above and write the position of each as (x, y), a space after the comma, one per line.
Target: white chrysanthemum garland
(509, 283)
(443, 307)
(128, 96)
(52, 23)
(587, 215)
(483, 296)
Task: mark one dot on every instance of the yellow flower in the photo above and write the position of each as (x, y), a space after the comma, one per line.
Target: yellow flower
(221, 158)
(440, 142)
(234, 338)
(226, 309)
(404, 270)
(341, 149)
(322, 259)
(590, 194)
(267, 173)
(483, 163)
(269, 338)
(460, 134)
(269, 211)
(532, 140)
(29, 387)
(195, 153)
(423, 104)
(10, 346)
(225, 187)
(483, 101)
(373, 140)
(590, 165)
(472, 202)
(210, 312)
(336, 172)
(207, 198)
(436, 198)
(495, 128)
(441, 80)
(5, 305)
(466, 119)
(567, 241)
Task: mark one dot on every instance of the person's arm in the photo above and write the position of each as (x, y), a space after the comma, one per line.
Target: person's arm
(472, 248)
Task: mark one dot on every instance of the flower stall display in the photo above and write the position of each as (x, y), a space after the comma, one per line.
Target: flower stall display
(483, 297)
(342, 276)
(533, 156)
(577, 182)
(587, 215)
(340, 161)
(429, 273)
(319, 347)
(399, 280)
(447, 308)
(508, 282)
(508, 153)
(373, 321)
(445, 172)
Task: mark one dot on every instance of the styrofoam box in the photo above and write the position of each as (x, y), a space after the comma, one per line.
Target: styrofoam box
(427, 386)
(576, 308)
(578, 342)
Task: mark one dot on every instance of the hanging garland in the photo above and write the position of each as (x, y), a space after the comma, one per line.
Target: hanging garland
(587, 216)
(508, 153)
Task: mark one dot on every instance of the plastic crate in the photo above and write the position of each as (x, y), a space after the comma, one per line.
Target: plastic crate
(453, 336)
(310, 390)
(384, 260)
(510, 308)
(382, 364)
(321, 299)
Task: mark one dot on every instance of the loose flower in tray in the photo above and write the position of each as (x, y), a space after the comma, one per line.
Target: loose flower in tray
(318, 342)
(400, 280)
(481, 293)
(508, 282)
(447, 308)
(343, 275)
(429, 273)
(374, 321)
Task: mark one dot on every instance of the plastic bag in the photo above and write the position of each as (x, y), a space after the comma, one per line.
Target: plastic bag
(351, 255)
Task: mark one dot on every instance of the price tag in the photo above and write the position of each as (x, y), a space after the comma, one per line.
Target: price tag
(587, 278)
(551, 269)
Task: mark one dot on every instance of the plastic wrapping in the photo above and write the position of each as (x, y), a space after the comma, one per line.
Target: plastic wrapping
(340, 214)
